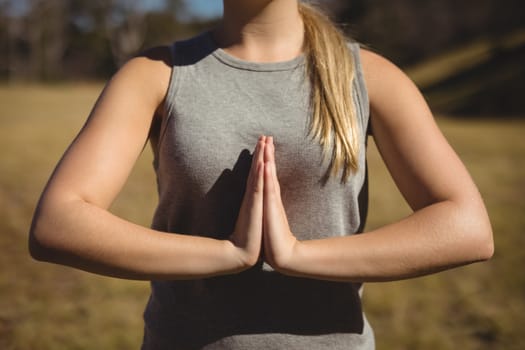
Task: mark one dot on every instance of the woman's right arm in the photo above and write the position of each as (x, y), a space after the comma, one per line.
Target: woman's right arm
(72, 225)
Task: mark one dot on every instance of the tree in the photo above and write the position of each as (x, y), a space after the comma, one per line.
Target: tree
(126, 29)
(47, 37)
(410, 30)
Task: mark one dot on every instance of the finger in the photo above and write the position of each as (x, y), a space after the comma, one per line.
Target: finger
(273, 204)
(256, 151)
(259, 177)
(270, 152)
(269, 203)
(260, 151)
(259, 163)
(269, 164)
(269, 183)
(257, 159)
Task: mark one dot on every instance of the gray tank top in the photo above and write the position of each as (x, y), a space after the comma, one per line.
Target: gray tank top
(216, 108)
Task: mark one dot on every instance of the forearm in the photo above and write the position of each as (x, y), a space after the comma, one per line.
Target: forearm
(435, 238)
(81, 235)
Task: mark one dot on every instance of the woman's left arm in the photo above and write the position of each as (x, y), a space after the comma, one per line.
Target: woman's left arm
(449, 226)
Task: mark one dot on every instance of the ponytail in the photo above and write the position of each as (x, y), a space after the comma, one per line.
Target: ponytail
(330, 69)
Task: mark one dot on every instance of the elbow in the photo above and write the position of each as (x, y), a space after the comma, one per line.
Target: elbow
(42, 245)
(36, 249)
(485, 241)
(470, 237)
(47, 239)
(37, 245)
(485, 246)
(51, 236)
(479, 237)
(480, 249)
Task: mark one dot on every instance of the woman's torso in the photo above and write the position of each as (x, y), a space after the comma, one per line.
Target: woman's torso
(217, 107)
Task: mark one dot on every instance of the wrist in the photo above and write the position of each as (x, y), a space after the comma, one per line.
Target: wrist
(241, 257)
(284, 260)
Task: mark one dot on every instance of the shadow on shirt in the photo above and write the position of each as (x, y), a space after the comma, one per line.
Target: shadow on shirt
(257, 302)
(191, 314)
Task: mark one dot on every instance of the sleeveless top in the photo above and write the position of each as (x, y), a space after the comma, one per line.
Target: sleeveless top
(216, 108)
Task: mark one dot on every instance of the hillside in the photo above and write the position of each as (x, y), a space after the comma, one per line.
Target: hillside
(485, 77)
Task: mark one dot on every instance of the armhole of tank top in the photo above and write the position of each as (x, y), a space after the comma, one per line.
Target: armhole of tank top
(364, 115)
(170, 95)
(361, 90)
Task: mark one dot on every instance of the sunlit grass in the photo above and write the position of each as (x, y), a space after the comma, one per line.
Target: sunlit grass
(474, 307)
(44, 306)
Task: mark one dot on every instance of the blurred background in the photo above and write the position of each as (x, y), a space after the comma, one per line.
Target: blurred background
(466, 56)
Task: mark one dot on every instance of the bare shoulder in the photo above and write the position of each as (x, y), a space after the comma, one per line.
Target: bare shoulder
(392, 94)
(385, 80)
(374, 62)
(148, 72)
(157, 59)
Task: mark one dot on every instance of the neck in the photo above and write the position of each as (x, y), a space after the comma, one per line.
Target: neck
(261, 30)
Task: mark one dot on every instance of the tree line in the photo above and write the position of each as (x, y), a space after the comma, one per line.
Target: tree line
(71, 39)
(409, 31)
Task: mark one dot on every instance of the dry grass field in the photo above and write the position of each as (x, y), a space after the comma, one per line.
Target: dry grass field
(43, 306)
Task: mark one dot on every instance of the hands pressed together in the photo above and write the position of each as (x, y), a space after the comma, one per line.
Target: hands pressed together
(262, 225)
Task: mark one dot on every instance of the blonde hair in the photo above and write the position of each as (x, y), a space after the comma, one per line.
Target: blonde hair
(330, 68)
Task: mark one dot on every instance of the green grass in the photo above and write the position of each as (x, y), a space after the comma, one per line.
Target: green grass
(44, 306)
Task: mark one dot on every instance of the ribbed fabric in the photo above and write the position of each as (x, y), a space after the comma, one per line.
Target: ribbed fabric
(217, 107)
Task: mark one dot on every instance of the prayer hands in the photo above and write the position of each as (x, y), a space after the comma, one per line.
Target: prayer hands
(262, 219)
(279, 242)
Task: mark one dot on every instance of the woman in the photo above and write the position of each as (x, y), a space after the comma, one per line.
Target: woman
(260, 252)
